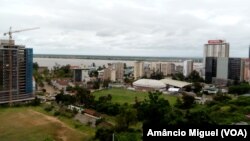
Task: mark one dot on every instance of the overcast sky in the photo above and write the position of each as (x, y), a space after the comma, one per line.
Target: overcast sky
(127, 27)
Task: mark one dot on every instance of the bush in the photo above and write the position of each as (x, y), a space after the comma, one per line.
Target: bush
(77, 125)
(48, 108)
(56, 113)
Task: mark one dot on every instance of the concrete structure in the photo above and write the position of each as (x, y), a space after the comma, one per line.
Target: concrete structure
(167, 68)
(249, 52)
(235, 69)
(60, 84)
(175, 83)
(138, 69)
(101, 74)
(106, 74)
(179, 69)
(114, 72)
(148, 84)
(119, 70)
(246, 66)
(221, 70)
(81, 74)
(21, 88)
(113, 75)
(187, 67)
(210, 69)
(215, 48)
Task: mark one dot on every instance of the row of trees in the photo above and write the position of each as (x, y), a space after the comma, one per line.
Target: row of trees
(194, 76)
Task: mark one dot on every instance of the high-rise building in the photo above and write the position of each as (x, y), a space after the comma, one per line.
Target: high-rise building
(179, 69)
(167, 68)
(138, 70)
(187, 67)
(249, 52)
(210, 69)
(246, 76)
(215, 48)
(16, 65)
(119, 70)
(223, 69)
(235, 69)
(113, 75)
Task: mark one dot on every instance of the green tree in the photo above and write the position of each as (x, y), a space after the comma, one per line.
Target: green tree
(127, 117)
(104, 134)
(197, 87)
(35, 66)
(84, 96)
(194, 76)
(153, 110)
(157, 75)
(200, 117)
(96, 84)
(221, 98)
(188, 101)
(178, 76)
(239, 89)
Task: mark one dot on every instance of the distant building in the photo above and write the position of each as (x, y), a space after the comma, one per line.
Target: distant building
(179, 69)
(113, 75)
(187, 67)
(215, 48)
(106, 74)
(22, 66)
(235, 69)
(119, 70)
(210, 69)
(114, 72)
(81, 74)
(249, 52)
(246, 66)
(148, 85)
(167, 68)
(101, 74)
(138, 70)
(60, 84)
(221, 70)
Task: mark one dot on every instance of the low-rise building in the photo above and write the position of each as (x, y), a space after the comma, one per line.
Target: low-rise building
(148, 84)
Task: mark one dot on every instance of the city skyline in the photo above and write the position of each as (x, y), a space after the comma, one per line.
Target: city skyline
(128, 28)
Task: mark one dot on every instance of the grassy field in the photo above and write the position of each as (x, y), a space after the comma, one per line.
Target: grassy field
(120, 95)
(27, 124)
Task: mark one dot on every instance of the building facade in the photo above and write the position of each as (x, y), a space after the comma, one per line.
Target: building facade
(81, 74)
(210, 69)
(167, 68)
(138, 70)
(119, 70)
(15, 85)
(221, 70)
(187, 67)
(246, 76)
(179, 69)
(215, 48)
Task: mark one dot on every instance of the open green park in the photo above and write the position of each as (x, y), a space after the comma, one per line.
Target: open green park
(122, 95)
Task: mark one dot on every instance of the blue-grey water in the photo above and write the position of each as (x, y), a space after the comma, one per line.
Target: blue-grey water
(77, 60)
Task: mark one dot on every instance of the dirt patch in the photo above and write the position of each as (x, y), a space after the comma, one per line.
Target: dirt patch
(61, 133)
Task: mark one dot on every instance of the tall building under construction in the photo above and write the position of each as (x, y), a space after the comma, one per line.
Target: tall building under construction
(16, 64)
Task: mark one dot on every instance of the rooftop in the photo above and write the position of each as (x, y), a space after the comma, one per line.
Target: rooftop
(151, 83)
(176, 83)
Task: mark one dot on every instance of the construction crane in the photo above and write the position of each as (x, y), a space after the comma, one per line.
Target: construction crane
(10, 58)
(10, 32)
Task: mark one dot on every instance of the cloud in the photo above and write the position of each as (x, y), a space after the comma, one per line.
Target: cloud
(127, 27)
